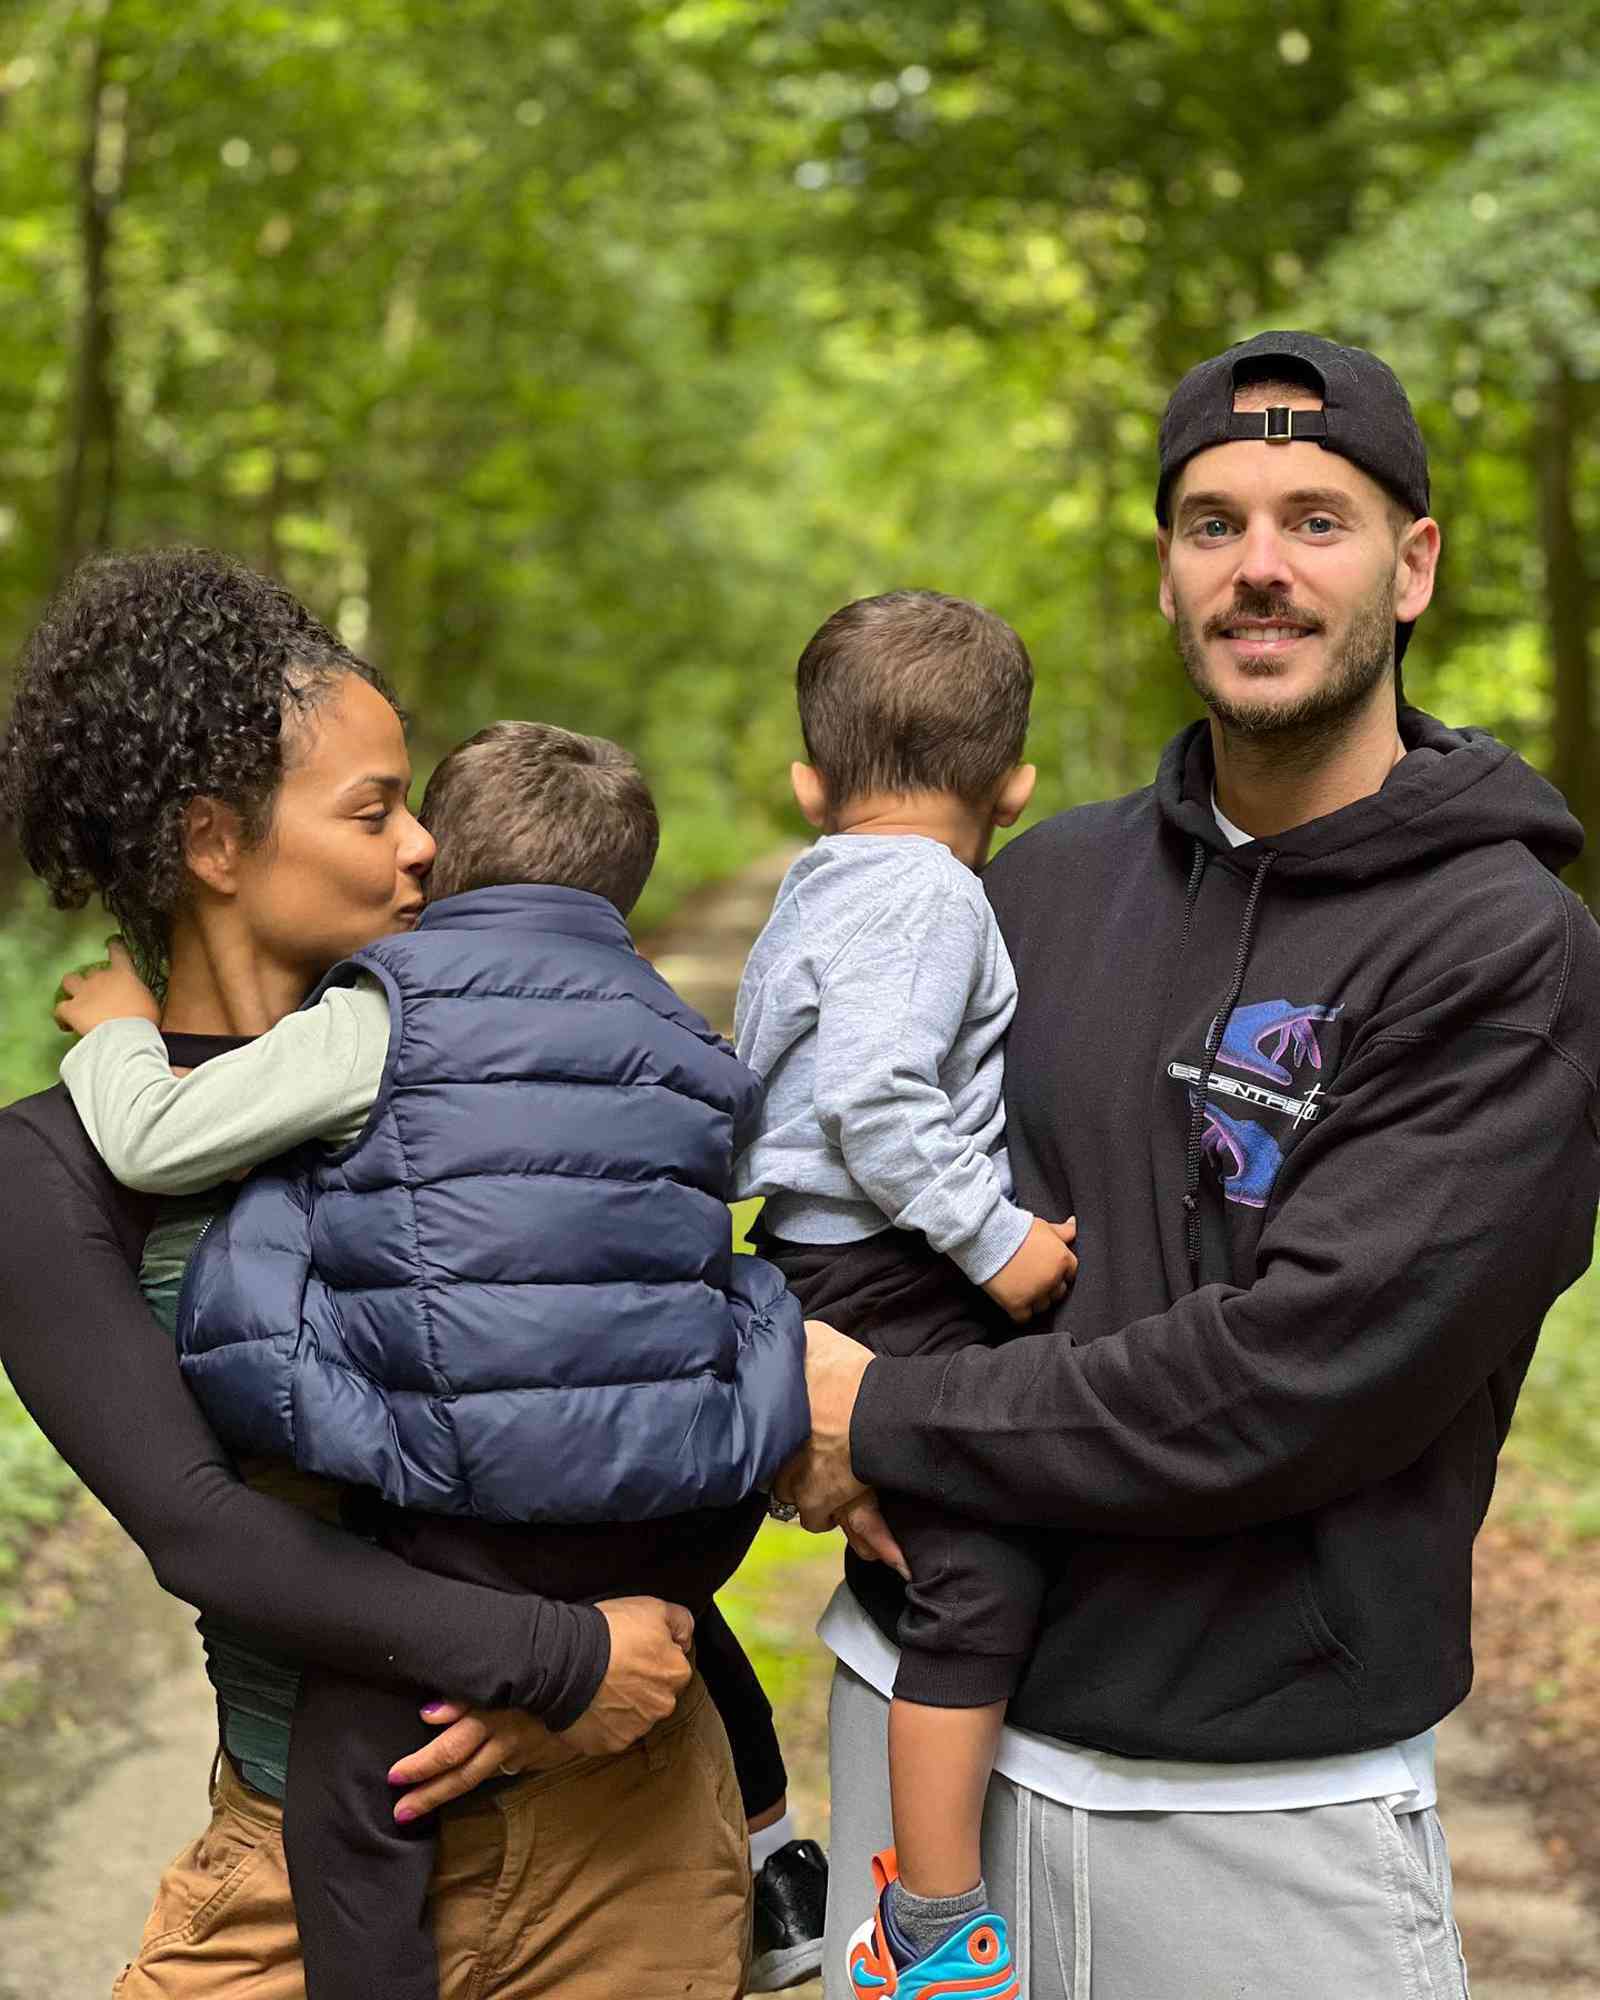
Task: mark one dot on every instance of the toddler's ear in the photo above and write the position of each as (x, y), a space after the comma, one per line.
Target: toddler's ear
(1015, 794)
(810, 794)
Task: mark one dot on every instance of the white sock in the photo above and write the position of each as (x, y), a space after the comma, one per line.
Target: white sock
(765, 1844)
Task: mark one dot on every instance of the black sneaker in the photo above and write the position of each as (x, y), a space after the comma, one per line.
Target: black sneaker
(791, 1898)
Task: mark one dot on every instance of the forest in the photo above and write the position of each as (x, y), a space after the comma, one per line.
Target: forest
(576, 359)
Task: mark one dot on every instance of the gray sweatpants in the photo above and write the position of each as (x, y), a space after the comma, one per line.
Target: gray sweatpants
(1348, 1902)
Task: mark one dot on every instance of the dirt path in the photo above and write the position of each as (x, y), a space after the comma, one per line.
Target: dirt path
(106, 1725)
(109, 1733)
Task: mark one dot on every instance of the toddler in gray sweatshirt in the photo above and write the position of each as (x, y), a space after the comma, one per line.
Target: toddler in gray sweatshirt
(874, 1007)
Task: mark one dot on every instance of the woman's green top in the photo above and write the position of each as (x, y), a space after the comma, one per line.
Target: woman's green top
(256, 1688)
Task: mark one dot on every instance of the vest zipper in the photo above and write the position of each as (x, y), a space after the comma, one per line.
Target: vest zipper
(187, 1280)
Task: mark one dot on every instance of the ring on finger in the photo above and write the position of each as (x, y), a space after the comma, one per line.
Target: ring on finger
(509, 1770)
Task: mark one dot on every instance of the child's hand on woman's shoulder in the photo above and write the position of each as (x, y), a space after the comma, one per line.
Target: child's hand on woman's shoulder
(1040, 1272)
(108, 991)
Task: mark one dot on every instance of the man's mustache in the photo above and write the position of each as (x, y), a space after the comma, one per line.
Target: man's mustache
(1268, 609)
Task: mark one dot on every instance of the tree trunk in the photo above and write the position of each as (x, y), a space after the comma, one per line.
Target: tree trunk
(89, 479)
(394, 602)
(1568, 599)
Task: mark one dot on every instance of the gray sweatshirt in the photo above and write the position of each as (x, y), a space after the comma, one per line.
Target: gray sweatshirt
(874, 1007)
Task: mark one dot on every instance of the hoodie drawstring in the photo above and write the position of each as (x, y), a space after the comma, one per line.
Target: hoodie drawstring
(1192, 894)
(1214, 1034)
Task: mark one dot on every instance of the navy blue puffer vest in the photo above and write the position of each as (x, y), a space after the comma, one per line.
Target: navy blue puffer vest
(516, 1295)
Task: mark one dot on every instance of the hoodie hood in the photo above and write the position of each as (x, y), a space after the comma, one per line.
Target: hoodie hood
(1455, 789)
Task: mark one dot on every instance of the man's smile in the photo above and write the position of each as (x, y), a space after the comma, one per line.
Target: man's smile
(1266, 635)
(1254, 637)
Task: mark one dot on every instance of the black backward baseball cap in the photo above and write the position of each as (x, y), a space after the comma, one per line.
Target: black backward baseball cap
(1365, 416)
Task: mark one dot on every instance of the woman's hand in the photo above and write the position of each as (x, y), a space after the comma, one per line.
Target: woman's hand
(108, 991)
(473, 1744)
(649, 1669)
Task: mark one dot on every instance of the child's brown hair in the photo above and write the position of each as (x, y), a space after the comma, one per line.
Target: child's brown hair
(914, 691)
(528, 802)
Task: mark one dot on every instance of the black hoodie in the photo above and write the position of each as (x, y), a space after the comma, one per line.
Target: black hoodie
(1262, 1432)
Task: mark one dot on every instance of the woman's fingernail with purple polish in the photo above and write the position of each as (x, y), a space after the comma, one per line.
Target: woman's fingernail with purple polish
(404, 1813)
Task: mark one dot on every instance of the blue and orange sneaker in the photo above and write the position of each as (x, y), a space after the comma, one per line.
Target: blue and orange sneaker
(972, 1963)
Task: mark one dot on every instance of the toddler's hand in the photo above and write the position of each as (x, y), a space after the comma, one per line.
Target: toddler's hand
(109, 992)
(1039, 1273)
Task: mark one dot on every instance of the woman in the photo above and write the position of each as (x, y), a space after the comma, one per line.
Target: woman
(189, 743)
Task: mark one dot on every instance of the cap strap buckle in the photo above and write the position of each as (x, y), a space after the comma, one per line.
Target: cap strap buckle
(1278, 424)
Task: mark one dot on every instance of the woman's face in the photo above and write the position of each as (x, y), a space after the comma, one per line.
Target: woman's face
(343, 860)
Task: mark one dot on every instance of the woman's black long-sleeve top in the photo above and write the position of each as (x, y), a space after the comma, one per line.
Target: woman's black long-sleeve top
(101, 1380)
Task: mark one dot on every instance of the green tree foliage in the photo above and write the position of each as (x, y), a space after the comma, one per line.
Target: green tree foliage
(1484, 287)
(576, 358)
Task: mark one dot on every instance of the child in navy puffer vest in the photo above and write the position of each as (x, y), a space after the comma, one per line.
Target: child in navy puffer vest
(500, 1286)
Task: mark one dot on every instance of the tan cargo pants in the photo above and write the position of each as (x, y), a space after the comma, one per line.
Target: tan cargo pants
(612, 1876)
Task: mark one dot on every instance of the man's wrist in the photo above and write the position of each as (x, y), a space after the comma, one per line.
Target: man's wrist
(872, 1361)
(894, 1395)
(878, 1371)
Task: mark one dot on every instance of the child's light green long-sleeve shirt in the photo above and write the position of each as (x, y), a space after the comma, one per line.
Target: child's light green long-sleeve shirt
(315, 1075)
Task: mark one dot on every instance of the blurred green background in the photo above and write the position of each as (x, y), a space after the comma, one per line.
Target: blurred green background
(576, 357)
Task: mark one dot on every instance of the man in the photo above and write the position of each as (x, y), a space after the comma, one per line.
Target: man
(1308, 1039)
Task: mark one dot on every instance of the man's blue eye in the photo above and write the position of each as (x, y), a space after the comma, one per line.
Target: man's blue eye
(1216, 522)
(1320, 524)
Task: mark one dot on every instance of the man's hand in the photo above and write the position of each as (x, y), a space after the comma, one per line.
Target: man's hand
(818, 1479)
(1040, 1272)
(111, 991)
(870, 1535)
(649, 1669)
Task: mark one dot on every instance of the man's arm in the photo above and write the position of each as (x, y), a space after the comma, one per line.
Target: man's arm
(314, 1076)
(1420, 1232)
(889, 1011)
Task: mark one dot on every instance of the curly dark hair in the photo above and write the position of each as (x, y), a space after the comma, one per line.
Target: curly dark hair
(153, 679)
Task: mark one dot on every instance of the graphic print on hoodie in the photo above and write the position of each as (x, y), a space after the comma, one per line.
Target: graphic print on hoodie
(1261, 1039)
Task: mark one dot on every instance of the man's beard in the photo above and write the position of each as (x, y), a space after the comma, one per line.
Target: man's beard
(1352, 673)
